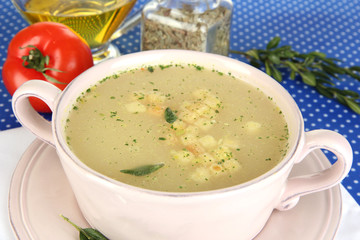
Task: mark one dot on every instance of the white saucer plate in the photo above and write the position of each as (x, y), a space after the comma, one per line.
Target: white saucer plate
(40, 193)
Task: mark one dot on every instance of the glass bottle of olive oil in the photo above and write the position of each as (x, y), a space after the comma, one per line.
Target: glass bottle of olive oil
(94, 20)
(200, 25)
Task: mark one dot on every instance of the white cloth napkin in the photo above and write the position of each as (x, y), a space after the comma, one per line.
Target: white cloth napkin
(15, 141)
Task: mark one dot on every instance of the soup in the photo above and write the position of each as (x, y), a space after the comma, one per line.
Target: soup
(177, 128)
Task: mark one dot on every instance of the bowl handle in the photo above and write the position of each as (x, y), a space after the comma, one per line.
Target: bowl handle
(27, 115)
(302, 185)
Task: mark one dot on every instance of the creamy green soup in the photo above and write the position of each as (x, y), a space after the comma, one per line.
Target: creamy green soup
(177, 128)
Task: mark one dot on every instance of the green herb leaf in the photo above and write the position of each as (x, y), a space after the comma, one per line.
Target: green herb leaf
(150, 69)
(255, 63)
(143, 170)
(324, 91)
(276, 73)
(353, 105)
(314, 68)
(275, 59)
(308, 78)
(170, 116)
(86, 233)
(285, 52)
(268, 68)
(355, 68)
(253, 53)
(353, 75)
(309, 60)
(292, 75)
(323, 75)
(273, 43)
(318, 54)
(292, 66)
(91, 234)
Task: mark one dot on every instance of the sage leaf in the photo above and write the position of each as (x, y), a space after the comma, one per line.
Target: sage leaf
(170, 116)
(86, 233)
(91, 234)
(143, 170)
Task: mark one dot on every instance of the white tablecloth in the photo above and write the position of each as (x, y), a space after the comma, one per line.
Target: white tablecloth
(15, 141)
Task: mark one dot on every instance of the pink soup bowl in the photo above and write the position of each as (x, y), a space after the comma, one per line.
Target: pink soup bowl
(122, 211)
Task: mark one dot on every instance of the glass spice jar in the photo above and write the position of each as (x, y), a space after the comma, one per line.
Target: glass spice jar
(200, 25)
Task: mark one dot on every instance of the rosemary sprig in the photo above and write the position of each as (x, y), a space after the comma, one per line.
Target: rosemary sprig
(314, 69)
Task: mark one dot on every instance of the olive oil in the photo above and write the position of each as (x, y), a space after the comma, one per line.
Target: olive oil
(94, 20)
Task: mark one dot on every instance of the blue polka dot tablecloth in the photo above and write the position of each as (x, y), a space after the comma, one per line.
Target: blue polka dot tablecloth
(328, 26)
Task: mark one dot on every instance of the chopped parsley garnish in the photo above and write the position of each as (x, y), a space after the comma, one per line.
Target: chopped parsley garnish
(170, 116)
(150, 69)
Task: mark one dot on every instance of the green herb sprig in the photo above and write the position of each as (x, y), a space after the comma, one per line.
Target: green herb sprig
(86, 233)
(314, 69)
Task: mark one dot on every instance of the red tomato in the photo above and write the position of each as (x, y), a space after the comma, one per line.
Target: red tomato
(66, 52)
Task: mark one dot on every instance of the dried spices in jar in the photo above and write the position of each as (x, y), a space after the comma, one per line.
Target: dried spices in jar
(200, 25)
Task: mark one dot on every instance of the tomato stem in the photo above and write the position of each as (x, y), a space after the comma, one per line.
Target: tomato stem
(36, 60)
